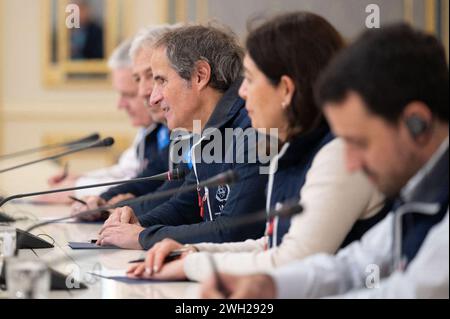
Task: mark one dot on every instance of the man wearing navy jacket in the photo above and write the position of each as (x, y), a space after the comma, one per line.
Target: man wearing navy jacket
(197, 76)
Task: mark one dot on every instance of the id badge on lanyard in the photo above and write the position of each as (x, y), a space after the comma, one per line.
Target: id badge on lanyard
(270, 229)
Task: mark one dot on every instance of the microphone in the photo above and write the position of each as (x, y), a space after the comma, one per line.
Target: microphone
(103, 143)
(289, 209)
(228, 177)
(27, 240)
(88, 139)
(174, 175)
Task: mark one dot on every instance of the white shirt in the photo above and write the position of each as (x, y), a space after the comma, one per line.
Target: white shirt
(351, 273)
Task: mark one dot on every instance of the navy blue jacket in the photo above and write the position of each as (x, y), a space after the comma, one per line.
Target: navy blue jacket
(181, 218)
(290, 177)
(157, 145)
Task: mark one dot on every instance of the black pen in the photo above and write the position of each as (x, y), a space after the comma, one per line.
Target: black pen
(65, 172)
(174, 255)
(78, 200)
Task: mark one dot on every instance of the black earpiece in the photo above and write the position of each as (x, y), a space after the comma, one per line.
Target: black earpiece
(416, 126)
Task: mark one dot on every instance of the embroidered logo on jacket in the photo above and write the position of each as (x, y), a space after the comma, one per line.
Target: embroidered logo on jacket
(223, 192)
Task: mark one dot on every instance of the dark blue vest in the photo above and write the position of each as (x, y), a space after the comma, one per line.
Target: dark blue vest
(415, 226)
(293, 167)
(291, 176)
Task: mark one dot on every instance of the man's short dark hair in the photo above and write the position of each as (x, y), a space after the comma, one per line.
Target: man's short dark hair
(389, 68)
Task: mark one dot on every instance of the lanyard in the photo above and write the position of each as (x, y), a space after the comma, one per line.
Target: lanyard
(269, 232)
(201, 202)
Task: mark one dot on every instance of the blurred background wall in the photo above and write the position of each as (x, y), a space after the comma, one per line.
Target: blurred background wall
(32, 113)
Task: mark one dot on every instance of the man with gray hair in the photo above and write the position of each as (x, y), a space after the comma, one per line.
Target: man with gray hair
(140, 53)
(133, 160)
(197, 73)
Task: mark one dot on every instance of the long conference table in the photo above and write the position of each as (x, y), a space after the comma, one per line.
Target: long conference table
(80, 264)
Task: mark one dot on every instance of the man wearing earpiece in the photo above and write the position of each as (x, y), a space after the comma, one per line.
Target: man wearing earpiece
(387, 96)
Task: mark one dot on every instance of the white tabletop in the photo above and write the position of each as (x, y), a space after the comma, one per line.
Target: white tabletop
(78, 263)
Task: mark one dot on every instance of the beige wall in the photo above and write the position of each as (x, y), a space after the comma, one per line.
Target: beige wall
(347, 16)
(28, 111)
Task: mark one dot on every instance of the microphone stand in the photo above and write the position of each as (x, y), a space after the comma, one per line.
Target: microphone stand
(85, 140)
(104, 143)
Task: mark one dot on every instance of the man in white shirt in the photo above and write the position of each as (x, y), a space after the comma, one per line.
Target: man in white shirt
(132, 161)
(387, 96)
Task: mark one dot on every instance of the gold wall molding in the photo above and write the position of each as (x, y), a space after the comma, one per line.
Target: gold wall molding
(181, 10)
(56, 75)
(430, 16)
(408, 11)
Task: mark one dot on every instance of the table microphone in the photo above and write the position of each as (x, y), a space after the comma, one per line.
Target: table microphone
(88, 139)
(174, 175)
(228, 177)
(29, 241)
(103, 143)
(98, 144)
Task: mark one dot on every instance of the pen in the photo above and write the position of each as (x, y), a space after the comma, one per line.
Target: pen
(171, 257)
(65, 172)
(78, 200)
